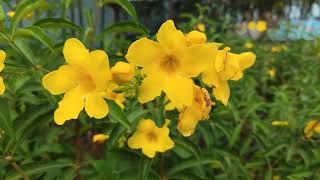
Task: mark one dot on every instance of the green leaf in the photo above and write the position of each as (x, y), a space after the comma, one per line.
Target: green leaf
(38, 168)
(125, 4)
(2, 15)
(37, 33)
(276, 149)
(116, 114)
(5, 119)
(187, 164)
(125, 27)
(144, 167)
(57, 23)
(187, 145)
(235, 135)
(23, 9)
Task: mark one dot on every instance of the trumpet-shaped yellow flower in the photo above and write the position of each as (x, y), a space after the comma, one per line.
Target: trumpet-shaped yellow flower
(201, 27)
(10, 14)
(312, 127)
(261, 26)
(122, 72)
(150, 138)
(199, 110)
(83, 80)
(169, 64)
(2, 58)
(226, 66)
(100, 138)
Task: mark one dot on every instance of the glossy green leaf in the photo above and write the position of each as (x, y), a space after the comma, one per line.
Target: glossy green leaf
(24, 9)
(125, 4)
(5, 119)
(57, 23)
(116, 114)
(121, 27)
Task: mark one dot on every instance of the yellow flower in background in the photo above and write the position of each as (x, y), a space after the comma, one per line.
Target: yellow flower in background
(201, 27)
(272, 72)
(2, 58)
(199, 110)
(116, 97)
(83, 80)
(169, 64)
(122, 72)
(100, 138)
(150, 138)
(275, 177)
(248, 45)
(312, 127)
(261, 26)
(275, 49)
(251, 25)
(10, 14)
(226, 66)
(280, 123)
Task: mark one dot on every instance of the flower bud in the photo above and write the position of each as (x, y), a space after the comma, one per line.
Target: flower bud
(122, 72)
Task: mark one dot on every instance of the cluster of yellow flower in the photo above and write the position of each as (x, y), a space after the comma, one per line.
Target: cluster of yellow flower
(260, 26)
(168, 65)
(312, 127)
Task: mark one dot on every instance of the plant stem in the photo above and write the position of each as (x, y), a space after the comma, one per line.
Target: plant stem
(17, 167)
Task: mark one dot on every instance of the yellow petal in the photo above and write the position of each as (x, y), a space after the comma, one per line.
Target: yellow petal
(96, 106)
(2, 87)
(230, 66)
(97, 65)
(188, 120)
(100, 138)
(179, 90)
(196, 37)
(2, 58)
(246, 60)
(210, 76)
(151, 87)
(251, 25)
(222, 92)
(70, 106)
(197, 58)
(61, 80)
(75, 52)
(261, 26)
(144, 53)
(170, 38)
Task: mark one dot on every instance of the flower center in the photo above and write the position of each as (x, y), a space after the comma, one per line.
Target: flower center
(170, 63)
(152, 137)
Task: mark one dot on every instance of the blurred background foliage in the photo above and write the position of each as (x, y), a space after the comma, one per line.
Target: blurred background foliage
(259, 135)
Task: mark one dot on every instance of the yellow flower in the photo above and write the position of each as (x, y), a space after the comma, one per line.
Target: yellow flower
(276, 178)
(199, 110)
(169, 64)
(150, 138)
(10, 13)
(275, 49)
(251, 25)
(116, 97)
(280, 123)
(119, 53)
(312, 127)
(83, 80)
(201, 27)
(100, 138)
(2, 58)
(122, 72)
(248, 45)
(261, 26)
(226, 66)
(272, 72)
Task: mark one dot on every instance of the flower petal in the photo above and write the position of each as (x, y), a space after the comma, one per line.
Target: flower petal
(188, 120)
(2, 58)
(246, 60)
(2, 87)
(75, 52)
(151, 87)
(70, 106)
(222, 92)
(96, 106)
(61, 80)
(97, 65)
(210, 76)
(196, 37)
(197, 58)
(179, 90)
(144, 53)
(170, 38)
